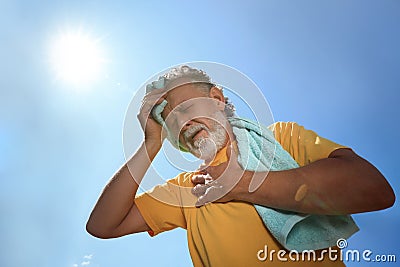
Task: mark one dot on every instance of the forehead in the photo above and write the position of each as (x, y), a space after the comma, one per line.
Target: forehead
(183, 93)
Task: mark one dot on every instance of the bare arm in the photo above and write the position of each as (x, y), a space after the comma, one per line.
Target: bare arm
(115, 213)
(343, 183)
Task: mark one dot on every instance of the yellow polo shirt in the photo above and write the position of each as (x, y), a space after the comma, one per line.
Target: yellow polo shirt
(231, 234)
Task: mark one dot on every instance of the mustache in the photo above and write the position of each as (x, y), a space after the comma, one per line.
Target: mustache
(193, 130)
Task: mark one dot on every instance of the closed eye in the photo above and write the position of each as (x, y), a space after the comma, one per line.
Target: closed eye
(183, 108)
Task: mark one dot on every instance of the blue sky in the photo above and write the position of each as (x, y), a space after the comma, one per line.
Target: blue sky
(331, 66)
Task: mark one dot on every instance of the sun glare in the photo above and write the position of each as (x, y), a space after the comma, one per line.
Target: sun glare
(76, 58)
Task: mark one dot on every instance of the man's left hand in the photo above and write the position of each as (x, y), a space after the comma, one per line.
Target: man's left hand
(221, 183)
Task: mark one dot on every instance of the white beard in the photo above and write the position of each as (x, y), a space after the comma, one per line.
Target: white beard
(206, 147)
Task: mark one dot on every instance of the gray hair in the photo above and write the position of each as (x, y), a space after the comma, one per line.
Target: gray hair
(198, 76)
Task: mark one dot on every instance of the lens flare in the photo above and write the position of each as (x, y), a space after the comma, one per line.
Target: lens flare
(76, 57)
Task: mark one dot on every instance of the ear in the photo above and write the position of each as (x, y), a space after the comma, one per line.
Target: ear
(216, 94)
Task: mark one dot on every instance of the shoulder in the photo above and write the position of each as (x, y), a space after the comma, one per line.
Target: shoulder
(283, 129)
(283, 125)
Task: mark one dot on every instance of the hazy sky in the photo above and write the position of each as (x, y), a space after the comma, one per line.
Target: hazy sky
(332, 66)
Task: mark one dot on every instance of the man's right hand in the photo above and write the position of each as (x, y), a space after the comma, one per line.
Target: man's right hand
(153, 133)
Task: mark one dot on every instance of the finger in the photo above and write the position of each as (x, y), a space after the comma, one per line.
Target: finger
(155, 96)
(156, 92)
(200, 202)
(201, 179)
(152, 100)
(148, 104)
(199, 190)
(209, 179)
(211, 194)
(198, 179)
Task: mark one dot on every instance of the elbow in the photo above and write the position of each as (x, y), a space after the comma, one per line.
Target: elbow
(389, 198)
(97, 232)
(385, 197)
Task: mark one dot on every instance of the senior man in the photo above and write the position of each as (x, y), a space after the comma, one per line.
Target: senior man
(224, 229)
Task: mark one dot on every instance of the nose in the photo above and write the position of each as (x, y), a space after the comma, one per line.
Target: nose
(184, 124)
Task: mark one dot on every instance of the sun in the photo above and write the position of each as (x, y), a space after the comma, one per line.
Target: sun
(76, 58)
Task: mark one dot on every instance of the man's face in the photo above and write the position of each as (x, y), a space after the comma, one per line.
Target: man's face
(196, 119)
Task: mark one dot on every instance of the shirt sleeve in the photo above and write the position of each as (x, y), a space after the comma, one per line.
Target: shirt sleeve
(160, 208)
(304, 145)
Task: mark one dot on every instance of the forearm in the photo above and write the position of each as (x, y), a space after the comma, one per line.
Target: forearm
(117, 198)
(341, 184)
